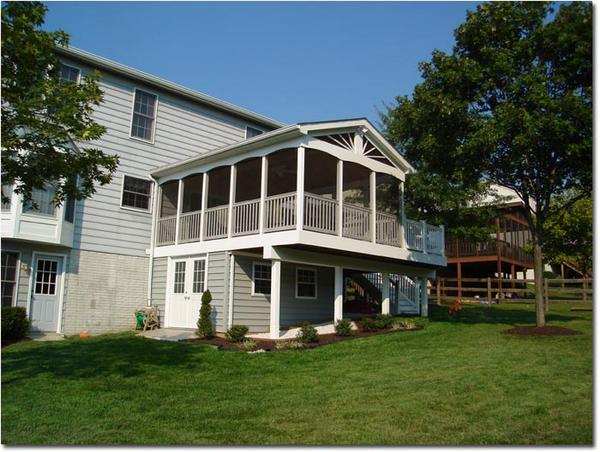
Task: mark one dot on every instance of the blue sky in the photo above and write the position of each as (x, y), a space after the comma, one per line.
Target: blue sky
(292, 62)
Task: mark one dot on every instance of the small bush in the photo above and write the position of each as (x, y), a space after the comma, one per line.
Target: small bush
(15, 324)
(289, 345)
(205, 326)
(384, 321)
(410, 323)
(237, 333)
(343, 327)
(307, 333)
(367, 324)
(247, 345)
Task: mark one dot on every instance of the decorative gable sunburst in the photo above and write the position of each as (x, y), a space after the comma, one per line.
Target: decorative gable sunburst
(346, 141)
(369, 150)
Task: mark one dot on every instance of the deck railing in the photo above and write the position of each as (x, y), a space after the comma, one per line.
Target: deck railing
(245, 217)
(165, 230)
(414, 235)
(280, 212)
(356, 222)
(216, 222)
(189, 226)
(387, 229)
(320, 213)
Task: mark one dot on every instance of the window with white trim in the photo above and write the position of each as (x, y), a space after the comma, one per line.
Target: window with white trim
(136, 193)
(10, 261)
(261, 278)
(45, 277)
(144, 115)
(68, 73)
(179, 280)
(42, 202)
(251, 132)
(306, 282)
(199, 274)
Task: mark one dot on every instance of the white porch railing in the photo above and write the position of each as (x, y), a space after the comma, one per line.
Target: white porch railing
(356, 222)
(189, 226)
(414, 235)
(320, 213)
(435, 239)
(165, 230)
(387, 229)
(245, 217)
(216, 222)
(280, 212)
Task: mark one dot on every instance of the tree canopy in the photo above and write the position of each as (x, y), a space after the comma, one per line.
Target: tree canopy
(511, 105)
(47, 122)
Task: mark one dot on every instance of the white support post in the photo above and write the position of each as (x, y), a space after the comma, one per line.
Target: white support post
(232, 181)
(338, 301)
(263, 194)
(424, 298)
(401, 217)
(204, 204)
(300, 190)
(373, 186)
(443, 239)
(340, 197)
(424, 232)
(179, 198)
(385, 293)
(275, 298)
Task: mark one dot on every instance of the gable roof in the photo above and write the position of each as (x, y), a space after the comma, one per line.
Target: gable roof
(156, 82)
(289, 132)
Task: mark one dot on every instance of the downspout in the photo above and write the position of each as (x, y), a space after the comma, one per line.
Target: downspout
(231, 282)
(152, 240)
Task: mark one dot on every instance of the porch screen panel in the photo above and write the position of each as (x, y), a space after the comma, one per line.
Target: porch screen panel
(218, 186)
(356, 184)
(247, 185)
(387, 194)
(192, 193)
(320, 173)
(169, 194)
(282, 172)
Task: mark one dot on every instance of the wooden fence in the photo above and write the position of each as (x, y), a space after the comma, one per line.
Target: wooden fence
(500, 290)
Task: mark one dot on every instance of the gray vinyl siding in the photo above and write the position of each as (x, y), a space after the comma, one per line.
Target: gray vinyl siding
(159, 285)
(254, 310)
(218, 284)
(183, 129)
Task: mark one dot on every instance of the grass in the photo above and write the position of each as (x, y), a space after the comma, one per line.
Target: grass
(459, 381)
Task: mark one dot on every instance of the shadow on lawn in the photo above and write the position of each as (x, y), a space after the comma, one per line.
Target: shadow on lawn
(492, 315)
(122, 355)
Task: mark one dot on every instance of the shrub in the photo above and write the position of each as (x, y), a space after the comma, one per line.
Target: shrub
(289, 345)
(237, 333)
(410, 323)
(15, 324)
(205, 326)
(367, 324)
(384, 321)
(343, 327)
(307, 333)
(247, 345)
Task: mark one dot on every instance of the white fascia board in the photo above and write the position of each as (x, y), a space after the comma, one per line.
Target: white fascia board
(113, 66)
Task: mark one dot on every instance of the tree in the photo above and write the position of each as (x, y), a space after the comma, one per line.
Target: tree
(511, 105)
(205, 326)
(42, 117)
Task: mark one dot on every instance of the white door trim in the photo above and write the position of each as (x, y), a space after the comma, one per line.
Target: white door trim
(61, 293)
(188, 274)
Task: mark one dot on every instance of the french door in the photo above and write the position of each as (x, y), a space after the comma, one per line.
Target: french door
(188, 282)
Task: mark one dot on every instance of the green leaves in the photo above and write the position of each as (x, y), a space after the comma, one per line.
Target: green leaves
(42, 117)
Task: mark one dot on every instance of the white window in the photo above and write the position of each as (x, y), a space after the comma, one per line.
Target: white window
(261, 278)
(179, 281)
(69, 73)
(144, 115)
(136, 193)
(252, 132)
(7, 191)
(45, 277)
(306, 283)
(199, 274)
(42, 202)
(9, 271)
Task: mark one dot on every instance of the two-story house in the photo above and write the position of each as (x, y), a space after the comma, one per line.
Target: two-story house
(279, 222)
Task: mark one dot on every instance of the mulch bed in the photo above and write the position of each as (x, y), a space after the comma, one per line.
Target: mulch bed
(269, 344)
(541, 331)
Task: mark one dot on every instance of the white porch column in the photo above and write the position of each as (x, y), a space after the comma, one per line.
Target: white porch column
(340, 197)
(372, 186)
(401, 216)
(300, 190)
(385, 293)
(232, 176)
(424, 231)
(423, 294)
(179, 198)
(338, 301)
(204, 204)
(263, 194)
(275, 297)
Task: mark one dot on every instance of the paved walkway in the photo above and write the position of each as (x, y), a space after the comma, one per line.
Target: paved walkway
(169, 334)
(46, 337)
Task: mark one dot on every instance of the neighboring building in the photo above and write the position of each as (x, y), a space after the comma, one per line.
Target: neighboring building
(84, 266)
(221, 213)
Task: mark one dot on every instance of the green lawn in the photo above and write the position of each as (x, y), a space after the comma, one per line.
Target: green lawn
(457, 382)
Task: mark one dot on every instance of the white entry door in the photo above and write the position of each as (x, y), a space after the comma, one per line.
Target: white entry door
(45, 294)
(188, 282)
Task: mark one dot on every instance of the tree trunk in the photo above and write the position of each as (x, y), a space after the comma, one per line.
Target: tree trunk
(538, 272)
